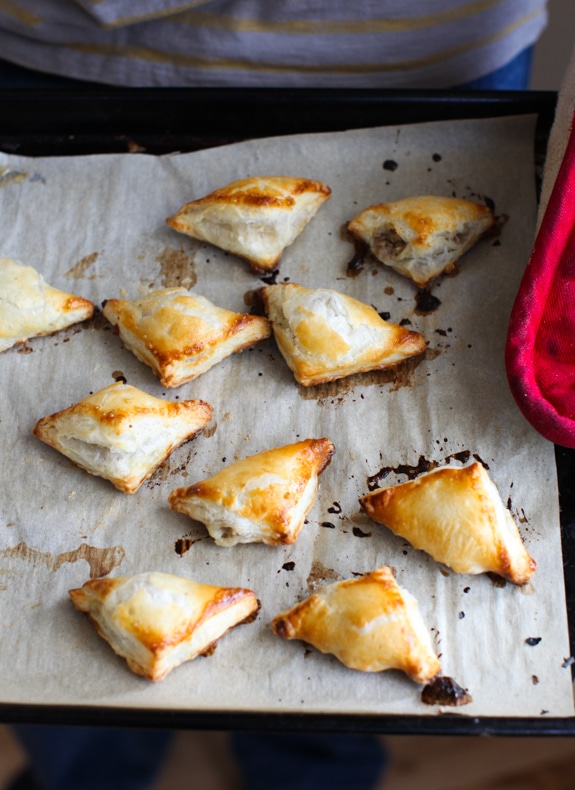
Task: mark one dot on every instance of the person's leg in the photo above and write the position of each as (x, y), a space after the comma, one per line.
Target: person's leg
(309, 762)
(92, 758)
(514, 76)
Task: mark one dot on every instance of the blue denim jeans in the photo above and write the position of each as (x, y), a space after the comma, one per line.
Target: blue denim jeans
(99, 758)
(514, 76)
(93, 758)
(309, 762)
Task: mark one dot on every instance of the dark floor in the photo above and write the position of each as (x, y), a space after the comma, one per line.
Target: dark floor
(202, 760)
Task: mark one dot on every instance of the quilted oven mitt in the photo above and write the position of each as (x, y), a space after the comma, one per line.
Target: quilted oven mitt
(540, 348)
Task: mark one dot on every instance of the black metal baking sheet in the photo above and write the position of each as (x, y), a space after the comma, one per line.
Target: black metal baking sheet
(65, 121)
(70, 121)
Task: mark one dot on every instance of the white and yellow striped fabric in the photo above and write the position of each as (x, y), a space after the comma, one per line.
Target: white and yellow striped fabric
(269, 43)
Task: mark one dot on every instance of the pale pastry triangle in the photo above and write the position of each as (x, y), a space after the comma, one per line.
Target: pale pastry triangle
(254, 218)
(263, 498)
(422, 237)
(121, 433)
(181, 335)
(325, 335)
(156, 621)
(456, 515)
(30, 307)
(369, 623)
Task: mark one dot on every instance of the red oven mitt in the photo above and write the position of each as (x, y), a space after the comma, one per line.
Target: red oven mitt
(540, 349)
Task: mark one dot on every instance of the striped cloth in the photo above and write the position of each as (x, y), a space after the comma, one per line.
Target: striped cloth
(269, 43)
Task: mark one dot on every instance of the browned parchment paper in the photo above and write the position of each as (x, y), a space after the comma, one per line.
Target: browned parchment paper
(96, 226)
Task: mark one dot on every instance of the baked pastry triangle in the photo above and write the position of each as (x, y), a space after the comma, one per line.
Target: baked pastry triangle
(121, 433)
(30, 307)
(369, 623)
(181, 335)
(156, 621)
(325, 335)
(261, 499)
(456, 515)
(422, 237)
(255, 218)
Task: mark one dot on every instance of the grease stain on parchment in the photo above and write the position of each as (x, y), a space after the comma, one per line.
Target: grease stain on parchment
(8, 176)
(78, 271)
(101, 561)
(177, 268)
(336, 391)
(173, 465)
(210, 429)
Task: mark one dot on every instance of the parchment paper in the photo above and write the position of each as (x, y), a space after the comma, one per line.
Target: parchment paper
(96, 226)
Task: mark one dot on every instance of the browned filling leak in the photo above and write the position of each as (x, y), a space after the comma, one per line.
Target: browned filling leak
(183, 545)
(462, 237)
(254, 300)
(253, 616)
(425, 302)
(444, 690)
(412, 471)
(494, 233)
(361, 253)
(388, 244)
(360, 533)
(210, 650)
(270, 278)
(423, 465)
(99, 321)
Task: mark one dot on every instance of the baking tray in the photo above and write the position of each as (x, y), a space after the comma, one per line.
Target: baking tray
(70, 121)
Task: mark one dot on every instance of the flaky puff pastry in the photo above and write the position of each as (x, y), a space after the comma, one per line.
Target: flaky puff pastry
(156, 621)
(422, 237)
(325, 335)
(181, 335)
(121, 433)
(369, 623)
(254, 218)
(30, 307)
(261, 499)
(457, 516)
